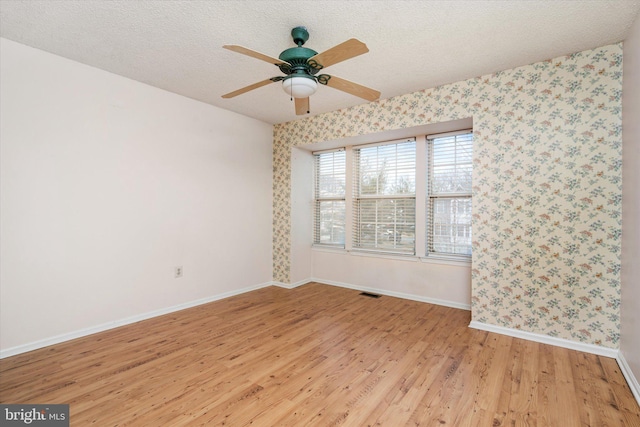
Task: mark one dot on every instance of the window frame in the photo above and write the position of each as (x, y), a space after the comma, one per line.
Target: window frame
(332, 198)
(380, 244)
(454, 196)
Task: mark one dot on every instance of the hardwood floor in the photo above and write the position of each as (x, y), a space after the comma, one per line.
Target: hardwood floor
(318, 355)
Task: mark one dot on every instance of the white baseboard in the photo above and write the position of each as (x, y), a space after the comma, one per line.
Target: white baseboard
(292, 285)
(12, 351)
(628, 375)
(546, 339)
(379, 291)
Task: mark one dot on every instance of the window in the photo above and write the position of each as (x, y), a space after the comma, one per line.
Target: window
(330, 205)
(449, 194)
(384, 201)
(405, 197)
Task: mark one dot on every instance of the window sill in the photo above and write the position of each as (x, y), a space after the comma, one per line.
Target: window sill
(431, 259)
(435, 259)
(328, 248)
(393, 256)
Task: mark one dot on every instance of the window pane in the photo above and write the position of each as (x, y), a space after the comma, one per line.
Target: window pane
(450, 225)
(330, 222)
(387, 169)
(386, 224)
(330, 174)
(451, 164)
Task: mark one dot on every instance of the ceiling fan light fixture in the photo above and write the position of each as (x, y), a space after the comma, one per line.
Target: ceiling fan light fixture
(300, 86)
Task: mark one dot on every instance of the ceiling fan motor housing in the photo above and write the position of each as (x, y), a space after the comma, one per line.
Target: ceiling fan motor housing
(297, 62)
(297, 55)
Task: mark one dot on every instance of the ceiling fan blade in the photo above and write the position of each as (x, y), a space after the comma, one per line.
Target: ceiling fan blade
(302, 106)
(252, 53)
(339, 53)
(353, 88)
(248, 88)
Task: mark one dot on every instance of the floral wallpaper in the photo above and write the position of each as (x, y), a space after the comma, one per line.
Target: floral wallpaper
(547, 188)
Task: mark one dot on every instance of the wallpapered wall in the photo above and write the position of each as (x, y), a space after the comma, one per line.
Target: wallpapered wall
(547, 188)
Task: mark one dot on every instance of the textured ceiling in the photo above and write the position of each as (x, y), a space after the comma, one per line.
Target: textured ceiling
(413, 45)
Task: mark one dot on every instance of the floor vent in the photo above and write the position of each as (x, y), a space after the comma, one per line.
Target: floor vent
(370, 295)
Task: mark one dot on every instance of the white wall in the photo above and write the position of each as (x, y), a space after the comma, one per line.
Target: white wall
(630, 306)
(107, 184)
(301, 215)
(442, 284)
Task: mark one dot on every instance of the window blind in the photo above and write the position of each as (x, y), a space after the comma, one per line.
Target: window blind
(384, 197)
(449, 194)
(329, 198)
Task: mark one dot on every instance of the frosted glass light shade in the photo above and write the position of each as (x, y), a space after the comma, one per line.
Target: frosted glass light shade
(300, 87)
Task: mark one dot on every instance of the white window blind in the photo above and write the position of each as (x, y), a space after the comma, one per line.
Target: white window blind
(384, 197)
(330, 205)
(449, 194)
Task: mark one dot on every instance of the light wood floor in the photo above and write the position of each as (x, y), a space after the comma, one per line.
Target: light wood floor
(318, 355)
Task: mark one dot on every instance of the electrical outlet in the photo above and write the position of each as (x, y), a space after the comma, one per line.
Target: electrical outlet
(178, 272)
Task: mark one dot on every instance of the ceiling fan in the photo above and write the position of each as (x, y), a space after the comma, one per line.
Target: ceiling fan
(301, 66)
